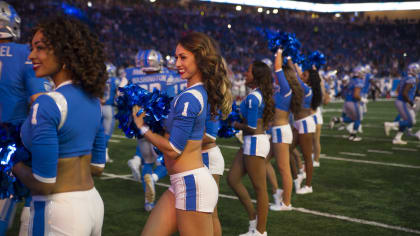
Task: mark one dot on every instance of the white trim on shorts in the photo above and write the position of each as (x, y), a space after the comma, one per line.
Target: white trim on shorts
(194, 190)
(282, 134)
(305, 125)
(256, 145)
(213, 159)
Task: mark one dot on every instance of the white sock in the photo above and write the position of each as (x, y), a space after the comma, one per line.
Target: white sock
(279, 191)
(399, 135)
(155, 177)
(253, 224)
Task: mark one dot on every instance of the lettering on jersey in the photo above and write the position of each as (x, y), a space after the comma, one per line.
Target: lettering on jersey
(138, 72)
(184, 113)
(5, 51)
(35, 110)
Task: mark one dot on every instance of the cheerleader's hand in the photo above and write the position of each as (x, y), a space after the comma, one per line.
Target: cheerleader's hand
(278, 61)
(138, 115)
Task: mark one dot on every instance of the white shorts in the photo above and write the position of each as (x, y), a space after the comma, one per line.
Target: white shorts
(146, 150)
(70, 213)
(213, 159)
(305, 125)
(282, 134)
(256, 145)
(318, 117)
(194, 190)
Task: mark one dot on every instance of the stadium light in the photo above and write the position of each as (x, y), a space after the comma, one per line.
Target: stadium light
(89, 4)
(275, 11)
(338, 15)
(229, 26)
(168, 57)
(325, 7)
(260, 9)
(239, 8)
(152, 0)
(267, 12)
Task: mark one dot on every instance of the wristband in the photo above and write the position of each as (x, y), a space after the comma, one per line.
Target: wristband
(144, 129)
(288, 57)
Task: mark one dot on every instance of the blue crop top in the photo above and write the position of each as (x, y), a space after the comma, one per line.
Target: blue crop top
(252, 108)
(187, 117)
(212, 126)
(61, 124)
(307, 98)
(283, 97)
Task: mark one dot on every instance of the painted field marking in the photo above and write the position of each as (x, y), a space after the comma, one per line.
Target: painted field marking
(353, 154)
(299, 209)
(379, 151)
(366, 138)
(229, 147)
(114, 141)
(118, 136)
(370, 162)
(404, 149)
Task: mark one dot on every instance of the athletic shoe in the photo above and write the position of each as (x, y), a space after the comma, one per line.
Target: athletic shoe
(332, 122)
(281, 207)
(150, 188)
(304, 190)
(399, 141)
(297, 182)
(107, 158)
(134, 164)
(354, 138)
(316, 163)
(148, 206)
(249, 233)
(302, 175)
(256, 233)
(387, 128)
(418, 135)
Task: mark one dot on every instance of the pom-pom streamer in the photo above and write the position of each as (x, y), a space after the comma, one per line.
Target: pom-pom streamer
(226, 129)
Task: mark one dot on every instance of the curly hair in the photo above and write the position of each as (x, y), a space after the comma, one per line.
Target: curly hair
(78, 50)
(214, 72)
(297, 91)
(263, 80)
(314, 82)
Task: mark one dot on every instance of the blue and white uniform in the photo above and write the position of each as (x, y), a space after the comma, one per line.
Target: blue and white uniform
(108, 108)
(353, 108)
(174, 84)
(307, 124)
(17, 84)
(252, 108)
(62, 124)
(213, 158)
(405, 110)
(194, 190)
(282, 99)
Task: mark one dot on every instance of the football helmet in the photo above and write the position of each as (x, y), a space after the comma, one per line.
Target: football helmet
(150, 60)
(111, 69)
(9, 22)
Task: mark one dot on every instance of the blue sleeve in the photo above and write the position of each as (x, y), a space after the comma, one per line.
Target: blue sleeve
(44, 118)
(252, 105)
(186, 111)
(284, 85)
(99, 146)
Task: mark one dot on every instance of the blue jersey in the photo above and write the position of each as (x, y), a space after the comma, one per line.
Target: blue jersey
(351, 87)
(17, 82)
(174, 84)
(61, 124)
(147, 81)
(366, 86)
(187, 117)
(283, 96)
(252, 108)
(307, 91)
(212, 125)
(412, 92)
(111, 90)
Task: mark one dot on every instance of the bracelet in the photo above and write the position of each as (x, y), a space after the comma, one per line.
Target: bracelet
(144, 129)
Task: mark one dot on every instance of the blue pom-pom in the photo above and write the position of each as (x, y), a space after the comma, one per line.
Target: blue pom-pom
(156, 105)
(287, 41)
(226, 129)
(11, 152)
(316, 59)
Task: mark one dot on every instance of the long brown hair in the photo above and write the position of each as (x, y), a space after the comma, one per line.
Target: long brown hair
(263, 80)
(214, 73)
(297, 91)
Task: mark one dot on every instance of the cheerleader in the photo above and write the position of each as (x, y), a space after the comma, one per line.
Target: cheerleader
(257, 110)
(188, 204)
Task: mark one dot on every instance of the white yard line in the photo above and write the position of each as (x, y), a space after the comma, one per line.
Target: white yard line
(114, 141)
(379, 151)
(303, 210)
(119, 136)
(353, 154)
(370, 162)
(367, 138)
(404, 149)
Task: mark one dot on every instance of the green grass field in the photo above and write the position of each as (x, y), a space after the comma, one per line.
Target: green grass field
(362, 188)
